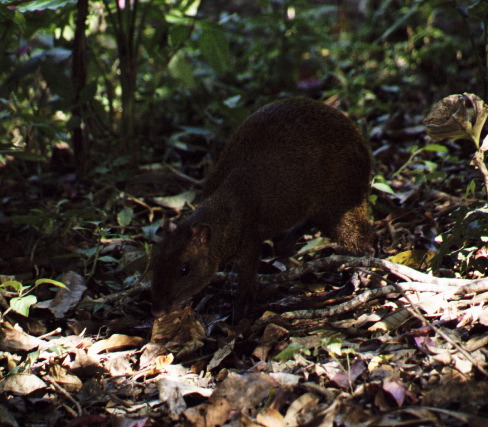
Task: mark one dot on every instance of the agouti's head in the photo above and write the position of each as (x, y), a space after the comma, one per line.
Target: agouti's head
(182, 266)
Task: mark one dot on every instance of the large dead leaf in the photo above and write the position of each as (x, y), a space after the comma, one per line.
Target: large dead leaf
(178, 332)
(22, 384)
(221, 354)
(69, 382)
(395, 389)
(177, 326)
(235, 393)
(171, 392)
(67, 299)
(114, 343)
(272, 335)
(270, 417)
(14, 339)
(299, 407)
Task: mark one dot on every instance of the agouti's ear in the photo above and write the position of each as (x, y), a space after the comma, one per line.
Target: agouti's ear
(201, 233)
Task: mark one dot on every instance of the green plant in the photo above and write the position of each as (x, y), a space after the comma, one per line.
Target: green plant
(479, 11)
(461, 117)
(54, 221)
(430, 167)
(92, 256)
(466, 240)
(24, 299)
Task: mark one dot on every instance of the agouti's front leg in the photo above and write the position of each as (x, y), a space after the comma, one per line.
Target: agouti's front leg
(247, 272)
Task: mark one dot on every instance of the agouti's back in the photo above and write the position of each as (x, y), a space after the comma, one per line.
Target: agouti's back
(291, 165)
(296, 159)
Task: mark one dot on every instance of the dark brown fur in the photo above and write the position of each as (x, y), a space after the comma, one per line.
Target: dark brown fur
(293, 163)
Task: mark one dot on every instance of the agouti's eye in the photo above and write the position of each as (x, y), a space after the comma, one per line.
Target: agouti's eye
(185, 270)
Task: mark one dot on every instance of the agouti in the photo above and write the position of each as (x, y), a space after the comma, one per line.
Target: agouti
(292, 165)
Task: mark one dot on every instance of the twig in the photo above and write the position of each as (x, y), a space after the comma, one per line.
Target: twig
(62, 391)
(184, 177)
(57, 331)
(340, 308)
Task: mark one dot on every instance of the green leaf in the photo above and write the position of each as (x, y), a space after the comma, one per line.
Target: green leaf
(19, 20)
(14, 284)
(51, 282)
(215, 48)
(180, 69)
(22, 304)
(193, 130)
(233, 101)
(125, 216)
(190, 7)
(88, 253)
(32, 6)
(334, 347)
(32, 357)
(176, 202)
(12, 15)
(178, 34)
(436, 147)
(471, 189)
(107, 258)
(315, 243)
(288, 353)
(385, 188)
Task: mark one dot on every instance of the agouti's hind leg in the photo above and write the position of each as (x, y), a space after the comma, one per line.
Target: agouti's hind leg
(354, 232)
(285, 244)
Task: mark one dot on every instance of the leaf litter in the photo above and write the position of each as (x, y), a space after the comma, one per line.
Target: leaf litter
(94, 356)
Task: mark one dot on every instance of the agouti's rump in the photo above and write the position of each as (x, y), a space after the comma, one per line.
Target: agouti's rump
(292, 163)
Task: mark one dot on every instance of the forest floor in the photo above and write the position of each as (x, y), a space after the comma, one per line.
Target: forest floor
(350, 341)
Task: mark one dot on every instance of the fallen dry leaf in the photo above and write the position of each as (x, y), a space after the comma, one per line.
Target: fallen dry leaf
(270, 417)
(221, 354)
(69, 382)
(118, 364)
(115, 342)
(178, 332)
(235, 394)
(163, 360)
(22, 384)
(272, 334)
(14, 339)
(395, 389)
(170, 392)
(299, 406)
(67, 299)
(391, 322)
(204, 415)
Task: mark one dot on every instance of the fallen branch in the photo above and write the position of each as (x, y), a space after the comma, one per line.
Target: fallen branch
(453, 288)
(451, 293)
(339, 262)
